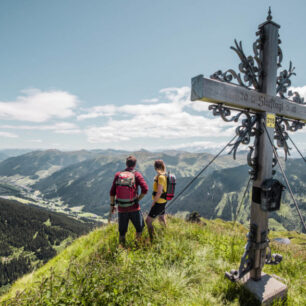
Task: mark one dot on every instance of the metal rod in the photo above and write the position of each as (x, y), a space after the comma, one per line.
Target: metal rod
(287, 183)
(297, 148)
(216, 156)
(242, 200)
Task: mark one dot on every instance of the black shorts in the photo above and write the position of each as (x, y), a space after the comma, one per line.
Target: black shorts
(136, 218)
(157, 210)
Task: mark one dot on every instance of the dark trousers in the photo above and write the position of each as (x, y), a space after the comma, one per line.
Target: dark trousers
(135, 217)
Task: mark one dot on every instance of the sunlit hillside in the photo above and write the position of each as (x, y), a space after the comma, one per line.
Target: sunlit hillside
(185, 265)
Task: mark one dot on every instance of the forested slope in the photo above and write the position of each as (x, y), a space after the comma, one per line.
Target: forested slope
(30, 236)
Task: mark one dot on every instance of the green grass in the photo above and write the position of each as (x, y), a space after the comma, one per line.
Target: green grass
(185, 265)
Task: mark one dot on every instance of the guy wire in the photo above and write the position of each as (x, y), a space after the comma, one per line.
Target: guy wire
(291, 141)
(242, 200)
(285, 177)
(215, 157)
(297, 149)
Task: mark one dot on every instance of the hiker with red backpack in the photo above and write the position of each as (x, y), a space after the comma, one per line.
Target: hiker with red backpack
(163, 191)
(124, 192)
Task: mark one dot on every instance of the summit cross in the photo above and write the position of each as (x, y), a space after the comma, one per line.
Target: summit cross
(260, 97)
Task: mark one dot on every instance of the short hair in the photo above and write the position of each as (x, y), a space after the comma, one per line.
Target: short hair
(131, 161)
(160, 165)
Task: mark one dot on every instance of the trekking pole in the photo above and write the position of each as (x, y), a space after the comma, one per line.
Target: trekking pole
(110, 215)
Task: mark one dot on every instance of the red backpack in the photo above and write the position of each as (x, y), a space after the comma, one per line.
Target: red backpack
(126, 190)
(171, 182)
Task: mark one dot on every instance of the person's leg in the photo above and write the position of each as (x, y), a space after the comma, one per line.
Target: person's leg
(123, 221)
(138, 222)
(155, 211)
(122, 240)
(162, 220)
(162, 216)
(149, 221)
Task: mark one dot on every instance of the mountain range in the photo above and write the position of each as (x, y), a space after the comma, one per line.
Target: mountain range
(79, 182)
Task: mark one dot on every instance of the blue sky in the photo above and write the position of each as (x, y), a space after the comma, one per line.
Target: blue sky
(116, 74)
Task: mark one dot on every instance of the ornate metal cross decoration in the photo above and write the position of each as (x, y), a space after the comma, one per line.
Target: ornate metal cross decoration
(270, 111)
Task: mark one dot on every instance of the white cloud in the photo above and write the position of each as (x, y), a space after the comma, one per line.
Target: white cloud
(98, 111)
(176, 93)
(36, 141)
(8, 135)
(170, 119)
(195, 146)
(170, 122)
(178, 98)
(59, 127)
(154, 100)
(39, 106)
(199, 106)
(64, 128)
(68, 131)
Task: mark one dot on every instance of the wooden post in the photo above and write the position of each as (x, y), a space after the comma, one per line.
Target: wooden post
(264, 152)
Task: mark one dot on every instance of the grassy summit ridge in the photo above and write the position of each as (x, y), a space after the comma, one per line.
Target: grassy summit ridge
(185, 265)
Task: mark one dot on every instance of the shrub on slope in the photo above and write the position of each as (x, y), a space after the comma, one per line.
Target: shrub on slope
(185, 265)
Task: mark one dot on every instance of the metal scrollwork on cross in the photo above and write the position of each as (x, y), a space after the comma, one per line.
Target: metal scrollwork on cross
(295, 97)
(283, 80)
(250, 76)
(283, 83)
(245, 131)
(280, 134)
(250, 68)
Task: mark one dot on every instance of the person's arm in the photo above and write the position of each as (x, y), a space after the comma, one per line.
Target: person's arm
(112, 194)
(112, 204)
(141, 196)
(140, 181)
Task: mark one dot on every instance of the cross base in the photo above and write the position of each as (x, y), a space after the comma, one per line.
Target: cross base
(265, 290)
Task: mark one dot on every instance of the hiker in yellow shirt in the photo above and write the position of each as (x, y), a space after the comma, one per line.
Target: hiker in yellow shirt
(158, 197)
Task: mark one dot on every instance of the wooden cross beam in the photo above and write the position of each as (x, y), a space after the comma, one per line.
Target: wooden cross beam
(208, 90)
